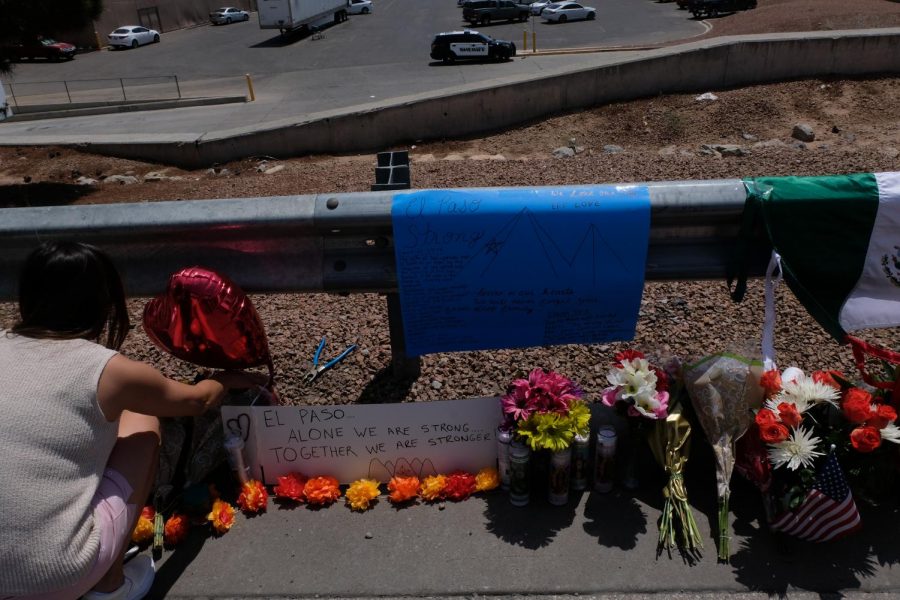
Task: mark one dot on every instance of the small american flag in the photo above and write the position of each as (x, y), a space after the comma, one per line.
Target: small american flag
(828, 511)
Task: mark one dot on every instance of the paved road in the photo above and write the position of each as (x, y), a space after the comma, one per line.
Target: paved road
(285, 98)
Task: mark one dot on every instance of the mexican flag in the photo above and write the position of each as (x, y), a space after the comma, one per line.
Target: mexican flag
(839, 241)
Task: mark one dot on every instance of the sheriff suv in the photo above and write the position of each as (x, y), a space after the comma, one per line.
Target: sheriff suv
(453, 45)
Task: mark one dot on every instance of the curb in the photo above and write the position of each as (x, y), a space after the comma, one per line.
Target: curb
(591, 50)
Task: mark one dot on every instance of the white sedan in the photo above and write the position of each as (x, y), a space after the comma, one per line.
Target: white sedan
(538, 7)
(560, 12)
(228, 15)
(132, 36)
(360, 7)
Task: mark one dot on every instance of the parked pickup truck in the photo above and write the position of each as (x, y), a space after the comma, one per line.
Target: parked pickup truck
(485, 11)
(713, 8)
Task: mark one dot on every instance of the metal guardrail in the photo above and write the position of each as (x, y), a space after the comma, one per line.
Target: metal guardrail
(334, 242)
(74, 91)
(337, 242)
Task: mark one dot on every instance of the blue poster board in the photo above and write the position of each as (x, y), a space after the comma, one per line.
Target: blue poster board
(503, 268)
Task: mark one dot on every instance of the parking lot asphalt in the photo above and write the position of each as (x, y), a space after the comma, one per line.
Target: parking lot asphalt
(369, 58)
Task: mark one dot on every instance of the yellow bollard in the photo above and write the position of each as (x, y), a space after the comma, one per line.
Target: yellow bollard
(99, 42)
(524, 41)
(533, 42)
(250, 87)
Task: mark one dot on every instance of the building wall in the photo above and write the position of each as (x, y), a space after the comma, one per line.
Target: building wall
(162, 15)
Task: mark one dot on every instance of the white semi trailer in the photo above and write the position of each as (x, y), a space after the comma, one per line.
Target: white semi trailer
(288, 15)
(5, 108)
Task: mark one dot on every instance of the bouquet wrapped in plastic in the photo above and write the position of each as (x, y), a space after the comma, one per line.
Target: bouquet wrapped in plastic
(724, 390)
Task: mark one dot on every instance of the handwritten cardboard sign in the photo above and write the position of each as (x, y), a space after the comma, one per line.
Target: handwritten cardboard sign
(371, 440)
(488, 269)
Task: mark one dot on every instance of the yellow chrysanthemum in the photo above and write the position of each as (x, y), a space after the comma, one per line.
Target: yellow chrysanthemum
(221, 516)
(580, 416)
(143, 530)
(487, 479)
(361, 493)
(433, 487)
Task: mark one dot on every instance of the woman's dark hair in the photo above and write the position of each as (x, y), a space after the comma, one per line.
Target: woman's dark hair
(69, 290)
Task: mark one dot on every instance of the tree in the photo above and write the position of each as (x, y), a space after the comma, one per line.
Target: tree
(35, 17)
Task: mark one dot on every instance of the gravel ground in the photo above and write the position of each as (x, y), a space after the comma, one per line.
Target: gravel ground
(857, 130)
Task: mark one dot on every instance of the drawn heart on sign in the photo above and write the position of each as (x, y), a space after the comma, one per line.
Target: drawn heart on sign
(206, 319)
(239, 425)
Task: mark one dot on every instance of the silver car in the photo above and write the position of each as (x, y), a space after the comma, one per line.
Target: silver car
(228, 15)
(132, 36)
(540, 5)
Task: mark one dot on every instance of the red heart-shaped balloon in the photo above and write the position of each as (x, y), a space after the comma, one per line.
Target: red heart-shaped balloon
(206, 319)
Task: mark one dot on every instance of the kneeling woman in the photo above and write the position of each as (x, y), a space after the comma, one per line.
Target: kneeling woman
(79, 433)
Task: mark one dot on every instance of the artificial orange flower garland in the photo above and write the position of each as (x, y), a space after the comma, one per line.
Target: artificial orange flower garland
(253, 497)
(432, 488)
(322, 491)
(143, 529)
(221, 516)
(291, 486)
(403, 489)
(361, 493)
(176, 529)
(487, 479)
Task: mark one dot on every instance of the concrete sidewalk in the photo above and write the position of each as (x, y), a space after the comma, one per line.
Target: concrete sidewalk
(599, 544)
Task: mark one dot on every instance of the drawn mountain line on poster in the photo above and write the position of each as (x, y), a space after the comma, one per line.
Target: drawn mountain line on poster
(591, 234)
(383, 471)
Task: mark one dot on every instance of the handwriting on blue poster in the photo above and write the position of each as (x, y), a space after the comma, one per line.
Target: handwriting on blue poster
(484, 269)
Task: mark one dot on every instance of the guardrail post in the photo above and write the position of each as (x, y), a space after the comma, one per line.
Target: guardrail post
(392, 173)
(403, 366)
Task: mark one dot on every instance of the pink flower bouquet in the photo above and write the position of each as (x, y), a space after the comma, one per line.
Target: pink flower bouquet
(545, 410)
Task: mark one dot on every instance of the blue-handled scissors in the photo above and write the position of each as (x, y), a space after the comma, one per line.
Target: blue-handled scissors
(315, 368)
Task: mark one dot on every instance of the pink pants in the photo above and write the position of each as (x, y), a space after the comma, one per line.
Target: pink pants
(113, 517)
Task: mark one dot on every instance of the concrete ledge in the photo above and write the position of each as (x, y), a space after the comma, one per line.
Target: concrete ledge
(59, 111)
(704, 65)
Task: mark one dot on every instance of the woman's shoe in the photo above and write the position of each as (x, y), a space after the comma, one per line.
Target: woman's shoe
(139, 574)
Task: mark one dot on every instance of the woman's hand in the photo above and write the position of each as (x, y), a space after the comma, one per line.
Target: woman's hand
(239, 380)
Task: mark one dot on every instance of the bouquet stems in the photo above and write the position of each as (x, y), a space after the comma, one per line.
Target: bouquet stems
(677, 511)
(724, 533)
